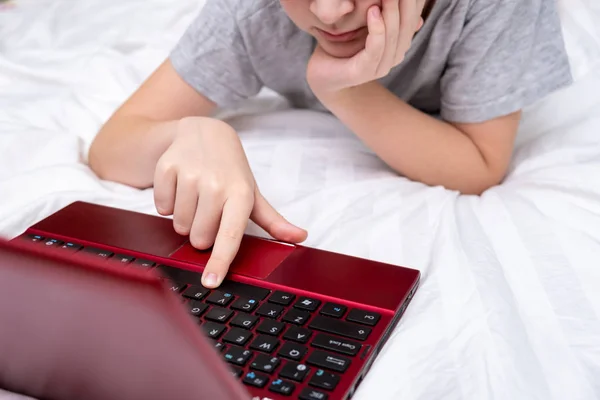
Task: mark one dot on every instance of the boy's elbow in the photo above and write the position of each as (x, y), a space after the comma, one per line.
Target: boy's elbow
(94, 161)
(99, 162)
(481, 183)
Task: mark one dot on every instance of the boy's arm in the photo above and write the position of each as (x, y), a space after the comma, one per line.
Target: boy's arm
(129, 145)
(501, 64)
(469, 158)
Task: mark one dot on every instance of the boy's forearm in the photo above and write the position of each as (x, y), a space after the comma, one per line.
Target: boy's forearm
(127, 149)
(411, 142)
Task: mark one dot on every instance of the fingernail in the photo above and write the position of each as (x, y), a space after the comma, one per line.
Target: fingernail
(210, 279)
(375, 12)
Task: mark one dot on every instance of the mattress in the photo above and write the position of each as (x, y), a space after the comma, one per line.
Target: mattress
(509, 306)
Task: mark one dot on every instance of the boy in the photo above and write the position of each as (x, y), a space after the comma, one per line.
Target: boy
(434, 87)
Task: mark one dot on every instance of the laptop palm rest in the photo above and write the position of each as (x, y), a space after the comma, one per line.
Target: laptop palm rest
(256, 258)
(120, 229)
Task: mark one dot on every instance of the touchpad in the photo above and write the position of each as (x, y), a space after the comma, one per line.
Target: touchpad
(256, 258)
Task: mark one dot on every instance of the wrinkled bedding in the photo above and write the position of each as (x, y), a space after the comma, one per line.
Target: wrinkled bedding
(509, 306)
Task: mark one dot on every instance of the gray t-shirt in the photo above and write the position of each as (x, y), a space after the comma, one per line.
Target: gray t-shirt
(472, 61)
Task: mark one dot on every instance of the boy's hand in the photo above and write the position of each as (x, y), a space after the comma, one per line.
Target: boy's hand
(390, 35)
(205, 182)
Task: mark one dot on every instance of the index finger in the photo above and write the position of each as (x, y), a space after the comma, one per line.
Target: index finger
(234, 221)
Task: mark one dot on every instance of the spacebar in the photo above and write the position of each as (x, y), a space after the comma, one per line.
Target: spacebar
(194, 278)
(341, 328)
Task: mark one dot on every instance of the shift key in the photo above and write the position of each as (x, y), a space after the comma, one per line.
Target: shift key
(337, 327)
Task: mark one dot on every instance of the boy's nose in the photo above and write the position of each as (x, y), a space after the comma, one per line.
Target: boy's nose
(331, 11)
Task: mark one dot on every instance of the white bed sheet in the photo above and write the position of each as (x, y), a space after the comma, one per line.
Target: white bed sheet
(509, 306)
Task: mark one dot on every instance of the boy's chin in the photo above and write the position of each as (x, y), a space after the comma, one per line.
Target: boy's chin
(342, 50)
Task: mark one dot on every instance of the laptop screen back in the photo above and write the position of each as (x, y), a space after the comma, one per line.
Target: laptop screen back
(76, 331)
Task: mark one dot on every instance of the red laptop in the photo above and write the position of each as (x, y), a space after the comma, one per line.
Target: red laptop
(289, 322)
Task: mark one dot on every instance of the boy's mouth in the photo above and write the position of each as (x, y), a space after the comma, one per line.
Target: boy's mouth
(340, 37)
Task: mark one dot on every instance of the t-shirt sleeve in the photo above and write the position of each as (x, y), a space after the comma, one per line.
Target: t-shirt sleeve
(510, 54)
(212, 58)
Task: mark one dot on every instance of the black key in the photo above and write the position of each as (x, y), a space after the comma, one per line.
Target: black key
(243, 304)
(293, 370)
(53, 243)
(333, 310)
(255, 379)
(196, 292)
(244, 290)
(219, 298)
(293, 351)
(122, 259)
(282, 387)
(306, 303)
(237, 336)
(244, 320)
(300, 335)
(196, 308)
(341, 328)
(296, 316)
(34, 238)
(265, 363)
(363, 317)
(237, 355)
(97, 252)
(176, 287)
(337, 344)
(324, 380)
(269, 310)
(180, 275)
(219, 346)
(265, 343)
(214, 330)
(236, 371)
(146, 264)
(329, 361)
(71, 247)
(271, 327)
(283, 298)
(312, 394)
(218, 314)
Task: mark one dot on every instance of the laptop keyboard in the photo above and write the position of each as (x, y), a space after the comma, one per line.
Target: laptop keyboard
(271, 339)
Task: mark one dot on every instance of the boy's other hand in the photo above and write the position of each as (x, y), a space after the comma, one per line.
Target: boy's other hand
(204, 181)
(391, 31)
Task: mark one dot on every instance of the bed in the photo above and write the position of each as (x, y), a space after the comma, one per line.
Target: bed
(509, 306)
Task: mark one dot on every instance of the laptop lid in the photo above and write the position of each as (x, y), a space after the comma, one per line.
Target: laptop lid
(82, 331)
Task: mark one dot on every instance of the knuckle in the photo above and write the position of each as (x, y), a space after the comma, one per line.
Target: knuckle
(181, 227)
(164, 167)
(213, 184)
(188, 178)
(201, 242)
